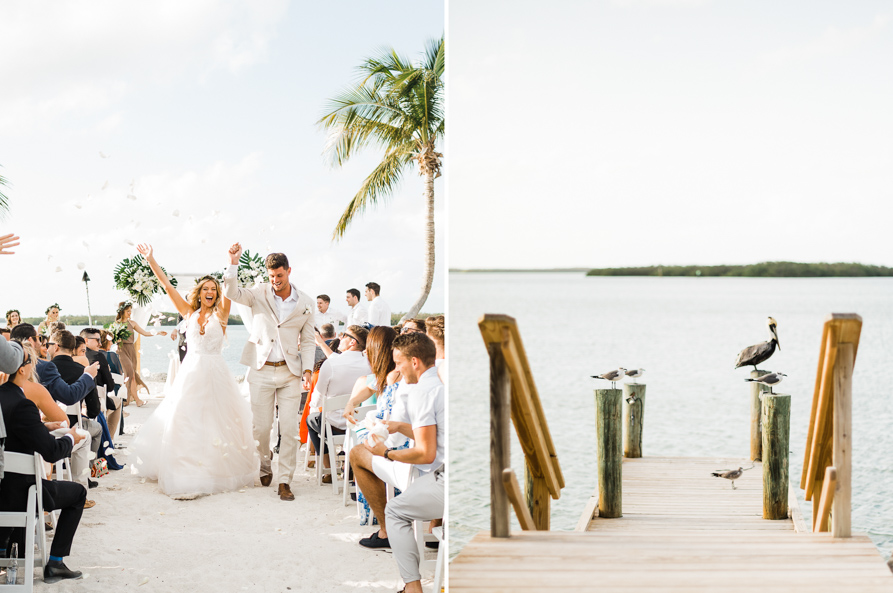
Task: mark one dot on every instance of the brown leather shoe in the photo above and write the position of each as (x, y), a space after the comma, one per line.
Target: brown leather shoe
(266, 480)
(327, 479)
(89, 504)
(285, 492)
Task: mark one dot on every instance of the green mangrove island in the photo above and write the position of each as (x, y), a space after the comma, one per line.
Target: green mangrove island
(771, 269)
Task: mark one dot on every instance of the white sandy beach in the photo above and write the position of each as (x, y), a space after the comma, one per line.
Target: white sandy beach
(138, 539)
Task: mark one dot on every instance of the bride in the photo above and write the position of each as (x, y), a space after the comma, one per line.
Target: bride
(199, 440)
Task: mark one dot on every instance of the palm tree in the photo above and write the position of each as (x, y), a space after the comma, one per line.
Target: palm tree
(397, 105)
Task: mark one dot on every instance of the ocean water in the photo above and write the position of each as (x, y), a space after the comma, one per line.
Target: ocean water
(155, 350)
(686, 333)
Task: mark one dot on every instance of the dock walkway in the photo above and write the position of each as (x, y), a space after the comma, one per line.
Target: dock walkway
(682, 530)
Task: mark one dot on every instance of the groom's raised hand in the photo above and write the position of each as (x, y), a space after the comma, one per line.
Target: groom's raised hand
(234, 253)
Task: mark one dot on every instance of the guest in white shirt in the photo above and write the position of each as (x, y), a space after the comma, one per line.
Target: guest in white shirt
(337, 376)
(328, 314)
(374, 464)
(379, 310)
(358, 314)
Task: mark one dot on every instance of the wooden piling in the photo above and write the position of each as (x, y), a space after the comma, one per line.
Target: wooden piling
(776, 430)
(633, 418)
(842, 443)
(500, 445)
(756, 438)
(609, 436)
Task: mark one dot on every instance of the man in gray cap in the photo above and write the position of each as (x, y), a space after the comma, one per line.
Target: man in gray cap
(9, 358)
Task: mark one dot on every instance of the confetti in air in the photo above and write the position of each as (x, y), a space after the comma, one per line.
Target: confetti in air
(176, 213)
(58, 268)
(102, 155)
(131, 197)
(106, 184)
(81, 266)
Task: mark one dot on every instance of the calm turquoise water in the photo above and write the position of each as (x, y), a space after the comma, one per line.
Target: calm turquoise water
(686, 333)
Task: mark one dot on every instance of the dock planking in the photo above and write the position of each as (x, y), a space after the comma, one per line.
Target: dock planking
(682, 530)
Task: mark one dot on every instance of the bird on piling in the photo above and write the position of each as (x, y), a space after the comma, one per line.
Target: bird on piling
(611, 376)
(730, 475)
(754, 355)
(770, 380)
(635, 374)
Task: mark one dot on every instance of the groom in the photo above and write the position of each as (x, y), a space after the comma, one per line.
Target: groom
(280, 353)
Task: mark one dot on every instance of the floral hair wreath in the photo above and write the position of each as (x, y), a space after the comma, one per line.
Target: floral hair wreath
(124, 306)
(51, 307)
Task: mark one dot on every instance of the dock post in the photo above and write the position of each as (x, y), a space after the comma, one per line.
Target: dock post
(776, 429)
(842, 443)
(756, 439)
(633, 418)
(609, 436)
(500, 445)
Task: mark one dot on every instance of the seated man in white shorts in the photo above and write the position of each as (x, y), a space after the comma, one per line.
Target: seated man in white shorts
(375, 464)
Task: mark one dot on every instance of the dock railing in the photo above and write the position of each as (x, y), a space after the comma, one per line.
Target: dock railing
(513, 395)
(827, 463)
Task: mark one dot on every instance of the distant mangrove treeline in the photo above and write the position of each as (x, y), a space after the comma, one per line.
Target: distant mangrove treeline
(771, 269)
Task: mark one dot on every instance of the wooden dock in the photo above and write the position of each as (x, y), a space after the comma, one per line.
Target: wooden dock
(666, 524)
(682, 530)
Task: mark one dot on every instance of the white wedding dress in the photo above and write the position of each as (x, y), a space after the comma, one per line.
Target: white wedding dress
(199, 440)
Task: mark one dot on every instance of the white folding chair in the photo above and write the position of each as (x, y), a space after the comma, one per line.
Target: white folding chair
(328, 439)
(31, 520)
(437, 532)
(350, 440)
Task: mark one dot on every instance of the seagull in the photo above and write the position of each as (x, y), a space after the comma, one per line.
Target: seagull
(635, 373)
(769, 380)
(730, 475)
(760, 352)
(611, 376)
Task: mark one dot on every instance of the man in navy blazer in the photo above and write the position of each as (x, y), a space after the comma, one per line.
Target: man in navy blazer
(49, 374)
(25, 433)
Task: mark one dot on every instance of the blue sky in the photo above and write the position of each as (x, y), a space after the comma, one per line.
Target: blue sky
(636, 132)
(206, 106)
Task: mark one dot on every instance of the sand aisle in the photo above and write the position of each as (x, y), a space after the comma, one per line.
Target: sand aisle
(138, 539)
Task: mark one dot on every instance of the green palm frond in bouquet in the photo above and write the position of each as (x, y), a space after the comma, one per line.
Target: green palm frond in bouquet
(136, 277)
(251, 269)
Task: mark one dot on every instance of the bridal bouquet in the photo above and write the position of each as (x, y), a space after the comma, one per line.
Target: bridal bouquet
(136, 277)
(251, 270)
(119, 331)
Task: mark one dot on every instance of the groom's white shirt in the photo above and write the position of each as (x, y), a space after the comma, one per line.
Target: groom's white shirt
(282, 329)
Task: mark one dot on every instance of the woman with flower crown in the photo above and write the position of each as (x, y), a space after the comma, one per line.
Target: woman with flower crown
(199, 440)
(52, 314)
(127, 351)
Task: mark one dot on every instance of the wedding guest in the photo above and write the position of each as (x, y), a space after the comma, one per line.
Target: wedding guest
(13, 318)
(71, 371)
(127, 353)
(436, 331)
(25, 433)
(379, 311)
(104, 376)
(326, 313)
(38, 394)
(413, 325)
(375, 464)
(423, 499)
(326, 342)
(337, 376)
(52, 314)
(383, 382)
(358, 314)
(5, 331)
(7, 357)
(80, 351)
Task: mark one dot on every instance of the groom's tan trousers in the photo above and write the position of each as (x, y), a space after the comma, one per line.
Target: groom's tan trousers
(268, 386)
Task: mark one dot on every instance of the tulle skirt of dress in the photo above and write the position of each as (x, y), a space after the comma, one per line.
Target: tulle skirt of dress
(199, 440)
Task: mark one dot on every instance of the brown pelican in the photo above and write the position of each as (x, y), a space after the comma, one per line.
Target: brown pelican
(611, 376)
(730, 475)
(770, 380)
(760, 352)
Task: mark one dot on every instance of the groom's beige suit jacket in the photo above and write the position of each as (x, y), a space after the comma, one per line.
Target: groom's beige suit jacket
(294, 333)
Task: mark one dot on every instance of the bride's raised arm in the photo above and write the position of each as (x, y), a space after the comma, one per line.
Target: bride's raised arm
(182, 306)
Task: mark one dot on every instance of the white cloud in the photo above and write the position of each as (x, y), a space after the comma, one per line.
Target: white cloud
(77, 61)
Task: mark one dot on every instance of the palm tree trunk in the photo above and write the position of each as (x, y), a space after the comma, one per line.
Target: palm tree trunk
(429, 249)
